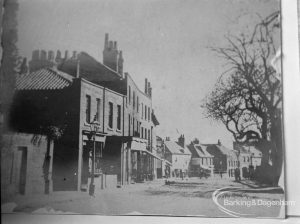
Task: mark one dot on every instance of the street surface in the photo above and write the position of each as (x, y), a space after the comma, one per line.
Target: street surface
(191, 196)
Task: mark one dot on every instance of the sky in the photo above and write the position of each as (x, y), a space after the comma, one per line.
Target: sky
(166, 41)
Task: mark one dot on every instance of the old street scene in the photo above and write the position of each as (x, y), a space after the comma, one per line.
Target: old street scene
(132, 109)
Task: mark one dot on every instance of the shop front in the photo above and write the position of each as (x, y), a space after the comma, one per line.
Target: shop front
(92, 159)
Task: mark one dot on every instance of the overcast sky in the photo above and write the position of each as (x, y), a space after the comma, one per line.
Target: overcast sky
(164, 40)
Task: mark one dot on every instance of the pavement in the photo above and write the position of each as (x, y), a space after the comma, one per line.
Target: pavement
(188, 197)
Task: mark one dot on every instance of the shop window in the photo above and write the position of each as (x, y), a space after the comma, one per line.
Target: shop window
(98, 156)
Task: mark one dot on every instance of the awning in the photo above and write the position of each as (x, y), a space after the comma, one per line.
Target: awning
(138, 145)
(167, 162)
(155, 156)
(97, 138)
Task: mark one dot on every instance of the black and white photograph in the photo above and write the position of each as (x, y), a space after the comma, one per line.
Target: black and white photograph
(143, 108)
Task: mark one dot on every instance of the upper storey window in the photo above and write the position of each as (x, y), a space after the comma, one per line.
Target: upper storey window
(111, 114)
(129, 94)
(88, 108)
(133, 100)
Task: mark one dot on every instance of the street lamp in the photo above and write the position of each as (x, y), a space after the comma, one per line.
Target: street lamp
(92, 138)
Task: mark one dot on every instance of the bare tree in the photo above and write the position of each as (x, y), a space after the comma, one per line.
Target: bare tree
(248, 96)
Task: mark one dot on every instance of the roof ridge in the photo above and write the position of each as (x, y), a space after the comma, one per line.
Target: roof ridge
(61, 74)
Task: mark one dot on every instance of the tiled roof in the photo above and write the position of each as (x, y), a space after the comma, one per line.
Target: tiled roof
(175, 148)
(43, 79)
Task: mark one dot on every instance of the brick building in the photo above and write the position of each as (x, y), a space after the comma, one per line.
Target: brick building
(86, 91)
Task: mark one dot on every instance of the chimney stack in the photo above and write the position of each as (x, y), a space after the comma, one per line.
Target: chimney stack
(219, 142)
(58, 57)
(181, 141)
(78, 69)
(43, 55)
(74, 56)
(50, 56)
(106, 41)
(146, 86)
(35, 55)
(120, 63)
(150, 92)
(66, 55)
(148, 89)
(111, 44)
(112, 58)
(24, 67)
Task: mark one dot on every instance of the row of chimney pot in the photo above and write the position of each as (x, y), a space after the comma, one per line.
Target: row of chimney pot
(112, 45)
(42, 55)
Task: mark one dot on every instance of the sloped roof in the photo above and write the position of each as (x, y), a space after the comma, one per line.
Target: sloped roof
(43, 79)
(94, 71)
(215, 149)
(201, 150)
(175, 148)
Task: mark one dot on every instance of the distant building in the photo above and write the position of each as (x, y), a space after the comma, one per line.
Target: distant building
(178, 155)
(225, 160)
(249, 155)
(201, 159)
(161, 164)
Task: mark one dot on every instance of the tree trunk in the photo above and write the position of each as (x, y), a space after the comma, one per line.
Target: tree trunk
(277, 149)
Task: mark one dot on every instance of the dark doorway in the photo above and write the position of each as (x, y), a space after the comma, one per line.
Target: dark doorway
(23, 169)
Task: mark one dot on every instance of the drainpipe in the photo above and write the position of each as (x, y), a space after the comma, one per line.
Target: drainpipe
(103, 110)
(123, 116)
(80, 142)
